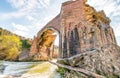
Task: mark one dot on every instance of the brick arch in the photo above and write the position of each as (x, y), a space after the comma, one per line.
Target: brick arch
(47, 28)
(70, 15)
(55, 24)
(55, 30)
(37, 41)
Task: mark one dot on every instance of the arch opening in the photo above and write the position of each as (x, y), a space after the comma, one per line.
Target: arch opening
(48, 44)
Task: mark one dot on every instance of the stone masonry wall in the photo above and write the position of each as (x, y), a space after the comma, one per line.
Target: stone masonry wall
(84, 29)
(81, 28)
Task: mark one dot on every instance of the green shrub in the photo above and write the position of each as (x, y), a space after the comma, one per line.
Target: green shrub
(25, 44)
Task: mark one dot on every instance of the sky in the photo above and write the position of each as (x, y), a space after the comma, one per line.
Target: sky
(27, 17)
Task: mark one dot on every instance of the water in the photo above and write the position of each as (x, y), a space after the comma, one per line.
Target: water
(28, 70)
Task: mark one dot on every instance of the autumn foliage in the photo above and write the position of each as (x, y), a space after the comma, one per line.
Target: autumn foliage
(9, 47)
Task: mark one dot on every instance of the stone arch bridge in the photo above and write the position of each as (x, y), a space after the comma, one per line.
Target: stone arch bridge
(75, 36)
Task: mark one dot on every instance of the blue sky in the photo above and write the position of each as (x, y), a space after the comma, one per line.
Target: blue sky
(27, 17)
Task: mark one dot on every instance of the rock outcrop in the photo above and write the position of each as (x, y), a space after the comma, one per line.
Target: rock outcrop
(104, 61)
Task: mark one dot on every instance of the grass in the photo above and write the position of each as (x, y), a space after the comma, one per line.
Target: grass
(40, 68)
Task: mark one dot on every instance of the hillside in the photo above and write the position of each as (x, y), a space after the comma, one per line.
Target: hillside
(6, 32)
(12, 45)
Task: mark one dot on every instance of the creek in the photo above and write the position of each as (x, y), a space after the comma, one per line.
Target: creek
(28, 70)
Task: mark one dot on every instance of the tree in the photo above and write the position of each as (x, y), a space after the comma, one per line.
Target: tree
(9, 47)
(25, 44)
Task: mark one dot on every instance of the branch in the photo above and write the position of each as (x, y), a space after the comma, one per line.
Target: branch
(86, 72)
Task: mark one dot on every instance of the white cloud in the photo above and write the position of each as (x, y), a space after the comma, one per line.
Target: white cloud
(21, 33)
(29, 4)
(117, 30)
(118, 40)
(30, 9)
(26, 30)
(44, 2)
(109, 6)
(11, 15)
(20, 27)
(17, 3)
(117, 11)
(47, 1)
(24, 8)
(30, 18)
